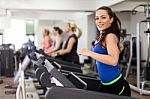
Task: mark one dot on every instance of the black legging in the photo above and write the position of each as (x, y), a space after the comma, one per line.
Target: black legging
(121, 87)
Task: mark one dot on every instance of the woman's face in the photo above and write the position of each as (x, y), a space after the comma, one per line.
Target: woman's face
(102, 20)
(67, 28)
(44, 33)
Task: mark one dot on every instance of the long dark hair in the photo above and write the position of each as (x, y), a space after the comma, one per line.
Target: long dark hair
(114, 28)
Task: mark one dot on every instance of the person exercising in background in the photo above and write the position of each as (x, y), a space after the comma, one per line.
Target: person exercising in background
(57, 32)
(47, 41)
(69, 50)
(106, 53)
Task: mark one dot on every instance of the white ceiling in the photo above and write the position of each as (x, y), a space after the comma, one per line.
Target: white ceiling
(52, 9)
(49, 4)
(61, 9)
(128, 5)
(60, 5)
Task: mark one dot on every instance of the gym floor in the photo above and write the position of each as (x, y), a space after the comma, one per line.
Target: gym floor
(3, 95)
(8, 81)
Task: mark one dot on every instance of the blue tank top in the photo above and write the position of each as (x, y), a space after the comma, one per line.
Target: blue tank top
(107, 73)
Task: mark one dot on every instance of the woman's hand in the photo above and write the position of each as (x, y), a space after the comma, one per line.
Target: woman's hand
(54, 54)
(58, 53)
(84, 51)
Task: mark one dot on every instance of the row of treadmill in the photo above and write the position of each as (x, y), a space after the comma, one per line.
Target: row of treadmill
(57, 79)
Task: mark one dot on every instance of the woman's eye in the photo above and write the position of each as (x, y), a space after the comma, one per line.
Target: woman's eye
(96, 18)
(103, 17)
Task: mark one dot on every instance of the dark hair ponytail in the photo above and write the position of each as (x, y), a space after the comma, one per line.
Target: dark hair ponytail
(58, 29)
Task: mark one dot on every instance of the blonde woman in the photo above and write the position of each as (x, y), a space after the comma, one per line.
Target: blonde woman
(69, 50)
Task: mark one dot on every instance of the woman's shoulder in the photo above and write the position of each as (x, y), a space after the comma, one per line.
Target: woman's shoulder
(111, 35)
(47, 37)
(59, 38)
(73, 36)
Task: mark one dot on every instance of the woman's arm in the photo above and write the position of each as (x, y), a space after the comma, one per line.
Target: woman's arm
(112, 48)
(69, 47)
(47, 42)
(57, 46)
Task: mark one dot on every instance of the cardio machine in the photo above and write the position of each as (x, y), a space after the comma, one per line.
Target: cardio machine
(140, 84)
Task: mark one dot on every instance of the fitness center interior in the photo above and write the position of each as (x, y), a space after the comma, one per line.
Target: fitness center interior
(30, 70)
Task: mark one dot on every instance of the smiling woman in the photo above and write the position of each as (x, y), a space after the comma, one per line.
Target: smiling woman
(106, 53)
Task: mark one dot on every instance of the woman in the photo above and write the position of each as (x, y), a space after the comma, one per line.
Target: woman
(69, 50)
(47, 41)
(106, 53)
(58, 40)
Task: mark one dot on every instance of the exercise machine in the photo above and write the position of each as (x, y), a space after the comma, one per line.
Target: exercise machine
(131, 45)
(46, 73)
(71, 93)
(140, 84)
